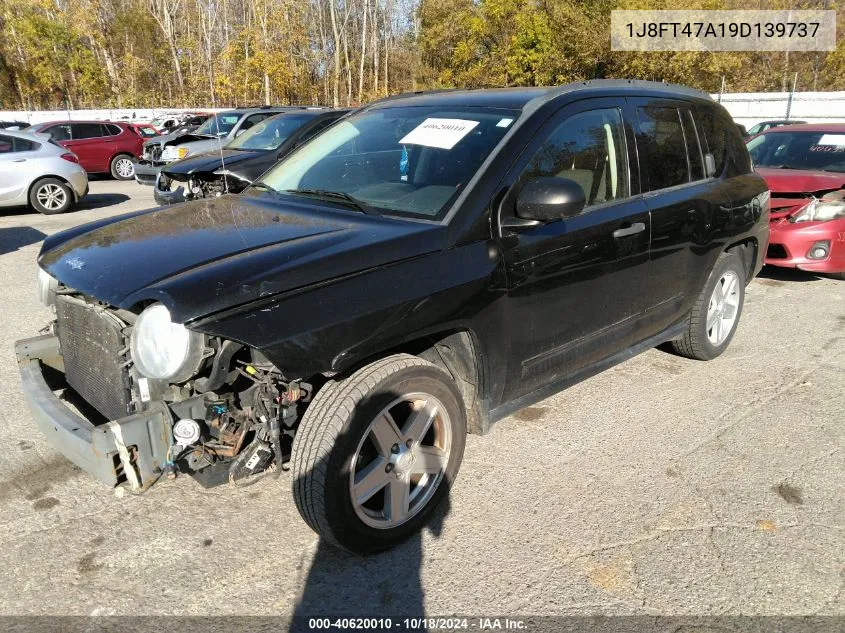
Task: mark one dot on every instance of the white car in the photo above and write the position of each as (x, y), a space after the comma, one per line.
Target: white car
(40, 173)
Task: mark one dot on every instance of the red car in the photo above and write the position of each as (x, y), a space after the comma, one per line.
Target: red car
(102, 146)
(804, 166)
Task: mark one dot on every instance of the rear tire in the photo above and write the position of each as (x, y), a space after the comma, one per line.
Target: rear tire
(122, 167)
(50, 196)
(714, 317)
(839, 276)
(352, 483)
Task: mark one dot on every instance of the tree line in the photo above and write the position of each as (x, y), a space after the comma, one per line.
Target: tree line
(57, 54)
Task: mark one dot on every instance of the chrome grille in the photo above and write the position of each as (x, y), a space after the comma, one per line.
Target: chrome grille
(91, 341)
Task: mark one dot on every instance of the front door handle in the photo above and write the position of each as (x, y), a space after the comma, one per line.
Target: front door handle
(19, 160)
(636, 227)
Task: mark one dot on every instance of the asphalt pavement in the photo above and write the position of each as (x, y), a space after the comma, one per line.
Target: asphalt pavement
(662, 486)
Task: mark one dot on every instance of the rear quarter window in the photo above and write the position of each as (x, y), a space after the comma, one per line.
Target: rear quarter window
(723, 141)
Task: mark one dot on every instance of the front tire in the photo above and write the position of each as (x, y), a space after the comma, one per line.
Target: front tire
(714, 317)
(50, 196)
(376, 453)
(122, 167)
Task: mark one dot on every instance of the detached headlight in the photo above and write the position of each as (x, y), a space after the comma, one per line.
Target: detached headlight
(47, 286)
(820, 210)
(162, 349)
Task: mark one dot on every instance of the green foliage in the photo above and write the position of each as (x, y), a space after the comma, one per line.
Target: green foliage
(198, 53)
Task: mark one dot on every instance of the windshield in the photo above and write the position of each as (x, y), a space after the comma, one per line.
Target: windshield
(820, 151)
(219, 124)
(410, 161)
(270, 133)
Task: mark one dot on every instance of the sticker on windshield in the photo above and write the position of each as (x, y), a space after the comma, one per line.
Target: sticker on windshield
(504, 123)
(442, 133)
(832, 139)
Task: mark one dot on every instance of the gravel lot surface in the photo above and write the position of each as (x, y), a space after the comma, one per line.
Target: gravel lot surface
(662, 486)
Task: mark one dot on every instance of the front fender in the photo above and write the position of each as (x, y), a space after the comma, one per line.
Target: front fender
(334, 325)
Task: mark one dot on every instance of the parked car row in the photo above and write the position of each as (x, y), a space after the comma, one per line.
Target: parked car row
(217, 132)
(420, 269)
(236, 165)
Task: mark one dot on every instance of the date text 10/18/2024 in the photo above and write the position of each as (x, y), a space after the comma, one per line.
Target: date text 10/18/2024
(422, 624)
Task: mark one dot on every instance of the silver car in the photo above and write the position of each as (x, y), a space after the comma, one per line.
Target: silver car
(37, 172)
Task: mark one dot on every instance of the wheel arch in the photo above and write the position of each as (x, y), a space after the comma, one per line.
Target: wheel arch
(747, 250)
(35, 181)
(122, 152)
(457, 351)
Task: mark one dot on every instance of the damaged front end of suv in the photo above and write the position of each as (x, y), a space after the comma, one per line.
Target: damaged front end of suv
(206, 176)
(157, 397)
(173, 364)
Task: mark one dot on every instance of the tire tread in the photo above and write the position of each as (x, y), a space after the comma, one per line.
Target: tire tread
(320, 427)
(690, 345)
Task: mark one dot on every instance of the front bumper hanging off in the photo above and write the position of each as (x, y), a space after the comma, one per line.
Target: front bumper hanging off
(132, 450)
(146, 172)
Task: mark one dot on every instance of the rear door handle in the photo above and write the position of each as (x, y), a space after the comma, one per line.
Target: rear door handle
(636, 227)
(19, 160)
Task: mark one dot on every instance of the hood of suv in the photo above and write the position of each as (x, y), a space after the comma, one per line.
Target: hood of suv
(212, 161)
(209, 255)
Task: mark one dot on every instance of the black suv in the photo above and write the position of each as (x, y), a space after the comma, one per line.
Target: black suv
(419, 270)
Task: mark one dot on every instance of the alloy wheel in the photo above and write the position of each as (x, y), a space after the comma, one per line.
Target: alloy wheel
(124, 167)
(51, 197)
(723, 308)
(400, 461)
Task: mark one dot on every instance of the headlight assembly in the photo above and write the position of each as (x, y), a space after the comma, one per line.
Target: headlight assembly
(47, 286)
(171, 152)
(820, 210)
(162, 349)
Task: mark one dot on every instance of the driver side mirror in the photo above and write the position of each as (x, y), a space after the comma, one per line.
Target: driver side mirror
(239, 132)
(550, 198)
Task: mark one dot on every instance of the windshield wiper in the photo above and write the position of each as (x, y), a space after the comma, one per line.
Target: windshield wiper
(340, 196)
(263, 186)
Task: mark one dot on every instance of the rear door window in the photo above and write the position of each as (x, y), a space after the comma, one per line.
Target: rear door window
(86, 130)
(588, 148)
(661, 139)
(59, 132)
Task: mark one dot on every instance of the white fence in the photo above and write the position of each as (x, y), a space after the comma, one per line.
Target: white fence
(125, 114)
(747, 108)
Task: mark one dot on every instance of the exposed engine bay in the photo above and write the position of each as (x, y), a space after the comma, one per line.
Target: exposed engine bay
(201, 184)
(233, 415)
